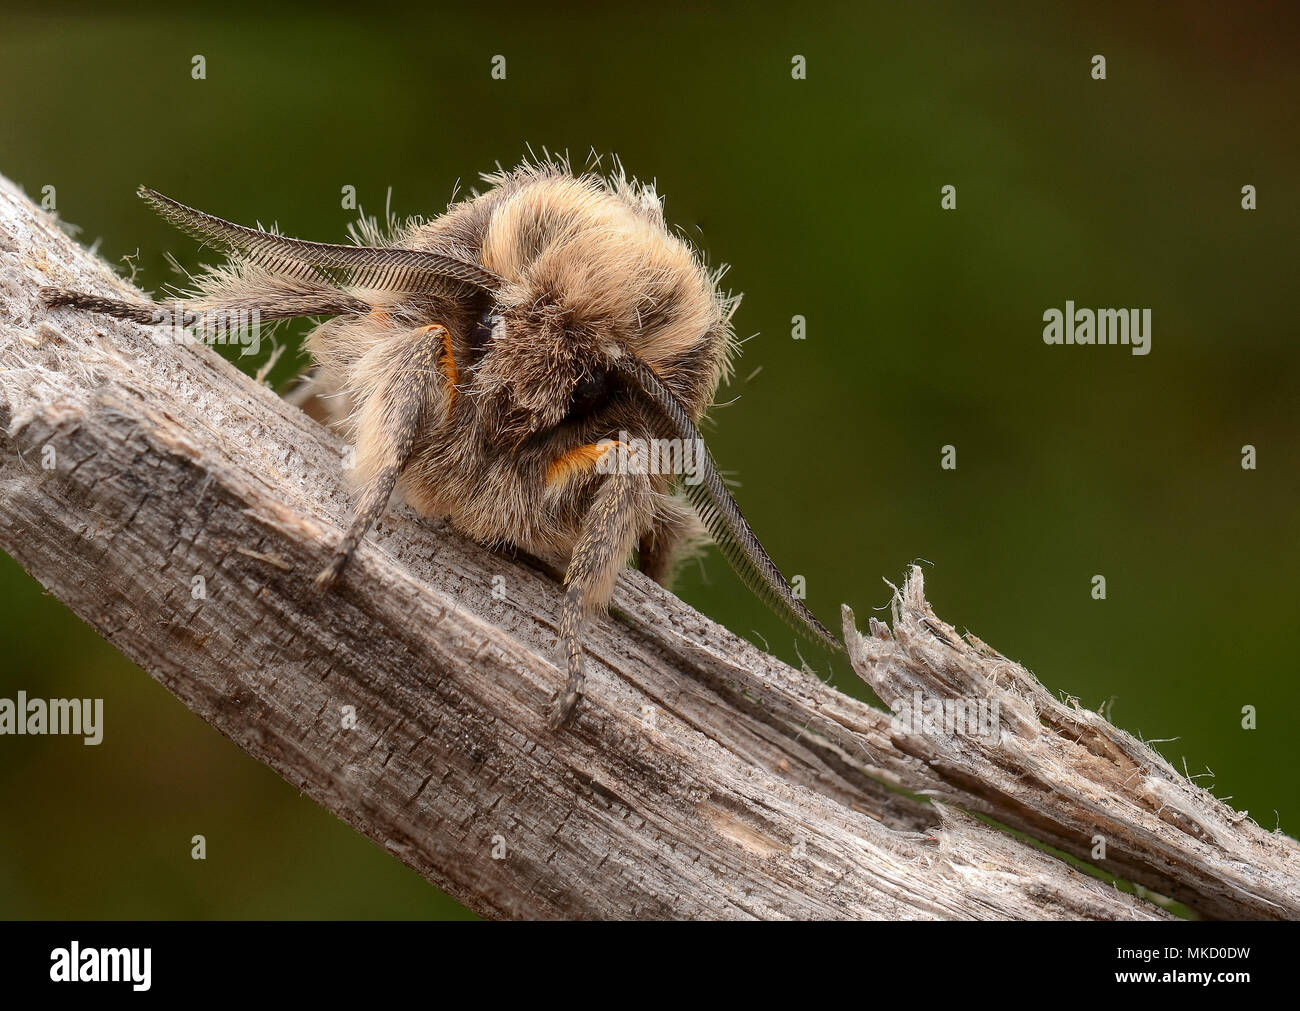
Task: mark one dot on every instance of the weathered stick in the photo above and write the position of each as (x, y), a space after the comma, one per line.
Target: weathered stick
(703, 778)
(1067, 777)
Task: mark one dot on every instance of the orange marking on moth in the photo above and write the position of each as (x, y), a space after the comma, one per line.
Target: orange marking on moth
(378, 315)
(575, 461)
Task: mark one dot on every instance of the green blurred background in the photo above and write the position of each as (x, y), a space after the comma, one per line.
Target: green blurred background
(924, 329)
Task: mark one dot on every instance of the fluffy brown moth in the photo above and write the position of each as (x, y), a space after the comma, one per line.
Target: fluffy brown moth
(507, 364)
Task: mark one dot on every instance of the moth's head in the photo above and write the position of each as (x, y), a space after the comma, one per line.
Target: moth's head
(542, 366)
(592, 276)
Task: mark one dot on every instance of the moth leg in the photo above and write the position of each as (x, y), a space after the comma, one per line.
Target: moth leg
(391, 416)
(608, 533)
(193, 312)
(317, 395)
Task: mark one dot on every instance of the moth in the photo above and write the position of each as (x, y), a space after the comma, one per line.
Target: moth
(510, 365)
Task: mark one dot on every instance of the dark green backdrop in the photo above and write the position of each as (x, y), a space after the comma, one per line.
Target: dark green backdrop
(924, 329)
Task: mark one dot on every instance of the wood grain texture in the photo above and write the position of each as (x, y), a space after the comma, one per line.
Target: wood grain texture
(701, 779)
(1065, 776)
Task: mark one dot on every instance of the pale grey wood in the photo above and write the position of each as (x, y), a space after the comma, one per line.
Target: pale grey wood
(1066, 776)
(703, 778)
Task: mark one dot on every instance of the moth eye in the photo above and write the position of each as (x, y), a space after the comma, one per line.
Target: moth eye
(487, 328)
(592, 391)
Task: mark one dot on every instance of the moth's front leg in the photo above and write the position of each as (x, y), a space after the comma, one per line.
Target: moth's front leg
(608, 532)
(396, 393)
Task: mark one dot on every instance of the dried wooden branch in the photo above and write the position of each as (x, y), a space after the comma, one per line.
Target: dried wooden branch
(703, 778)
(1065, 776)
